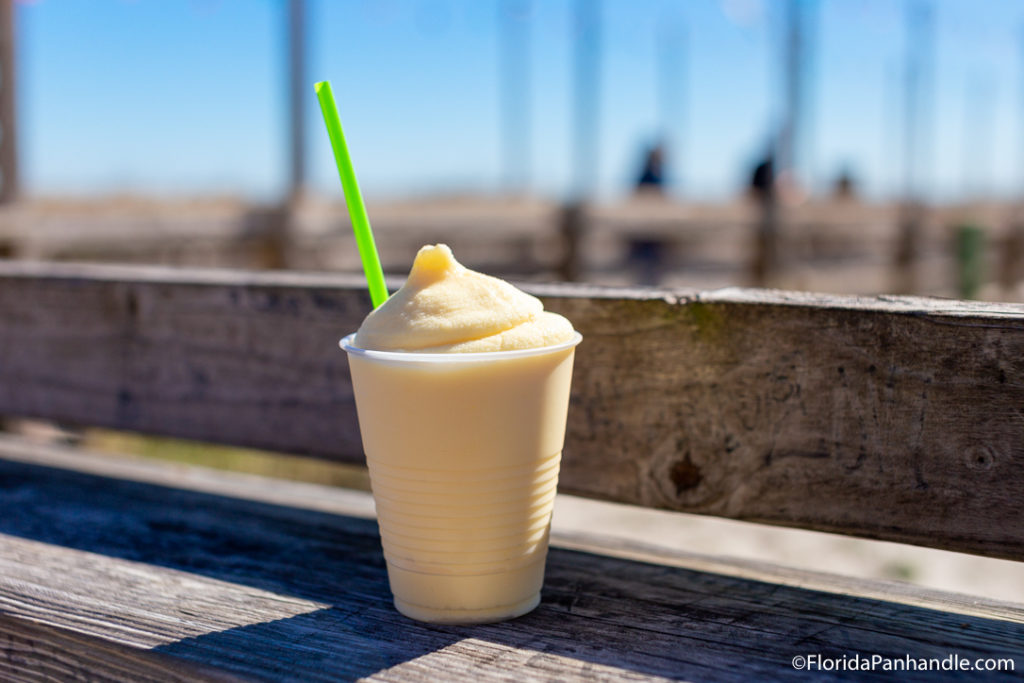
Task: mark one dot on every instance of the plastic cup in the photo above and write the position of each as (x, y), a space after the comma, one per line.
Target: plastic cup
(463, 451)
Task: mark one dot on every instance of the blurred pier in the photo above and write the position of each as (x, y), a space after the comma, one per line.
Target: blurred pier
(837, 246)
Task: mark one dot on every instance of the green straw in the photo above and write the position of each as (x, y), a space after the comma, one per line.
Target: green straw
(353, 198)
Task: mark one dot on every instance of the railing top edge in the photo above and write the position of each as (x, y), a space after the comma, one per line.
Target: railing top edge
(129, 273)
(887, 303)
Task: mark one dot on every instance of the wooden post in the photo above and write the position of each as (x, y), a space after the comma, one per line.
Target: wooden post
(1010, 260)
(514, 77)
(265, 232)
(766, 252)
(298, 93)
(671, 94)
(274, 247)
(9, 180)
(904, 277)
(586, 112)
(571, 226)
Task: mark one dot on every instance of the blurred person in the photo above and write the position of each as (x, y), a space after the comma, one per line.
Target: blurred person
(763, 189)
(845, 188)
(762, 179)
(646, 253)
(652, 175)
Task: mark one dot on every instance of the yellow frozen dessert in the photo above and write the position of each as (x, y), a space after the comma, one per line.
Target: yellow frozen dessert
(461, 384)
(446, 308)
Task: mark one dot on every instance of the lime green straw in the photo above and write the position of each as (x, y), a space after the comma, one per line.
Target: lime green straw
(353, 198)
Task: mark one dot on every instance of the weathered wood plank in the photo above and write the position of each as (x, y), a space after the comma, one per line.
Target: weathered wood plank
(359, 504)
(893, 418)
(279, 591)
(35, 652)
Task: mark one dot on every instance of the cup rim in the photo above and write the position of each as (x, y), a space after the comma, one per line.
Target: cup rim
(346, 344)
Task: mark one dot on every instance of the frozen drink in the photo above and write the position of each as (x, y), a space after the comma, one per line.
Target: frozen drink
(462, 388)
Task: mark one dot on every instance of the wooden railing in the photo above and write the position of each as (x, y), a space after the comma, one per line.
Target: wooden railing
(892, 418)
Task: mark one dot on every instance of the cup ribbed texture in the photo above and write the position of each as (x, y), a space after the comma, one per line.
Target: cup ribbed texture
(468, 522)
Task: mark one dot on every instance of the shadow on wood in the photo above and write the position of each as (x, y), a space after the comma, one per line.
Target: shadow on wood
(231, 567)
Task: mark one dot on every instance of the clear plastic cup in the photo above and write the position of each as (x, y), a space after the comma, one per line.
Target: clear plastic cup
(463, 451)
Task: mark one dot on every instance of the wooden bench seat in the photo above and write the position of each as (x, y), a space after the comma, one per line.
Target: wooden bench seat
(888, 418)
(131, 570)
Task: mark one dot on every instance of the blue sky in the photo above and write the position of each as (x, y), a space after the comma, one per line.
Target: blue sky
(188, 96)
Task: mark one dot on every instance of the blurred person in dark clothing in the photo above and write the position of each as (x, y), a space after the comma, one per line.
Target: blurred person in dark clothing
(652, 176)
(763, 190)
(762, 180)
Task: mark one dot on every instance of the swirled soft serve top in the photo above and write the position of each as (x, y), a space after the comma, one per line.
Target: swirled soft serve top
(445, 307)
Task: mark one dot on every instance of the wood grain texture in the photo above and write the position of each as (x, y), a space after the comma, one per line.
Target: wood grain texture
(892, 418)
(277, 591)
(33, 652)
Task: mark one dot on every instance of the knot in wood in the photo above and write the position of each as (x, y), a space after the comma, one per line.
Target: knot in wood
(685, 475)
(979, 458)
